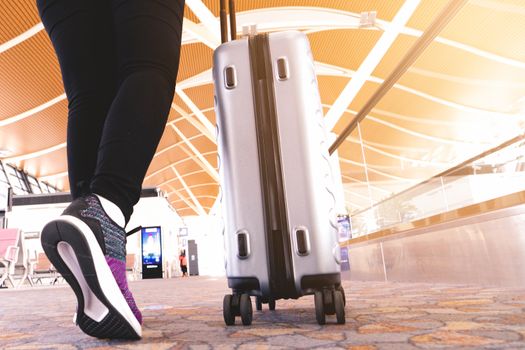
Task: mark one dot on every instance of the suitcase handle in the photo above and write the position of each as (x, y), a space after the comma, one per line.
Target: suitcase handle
(224, 20)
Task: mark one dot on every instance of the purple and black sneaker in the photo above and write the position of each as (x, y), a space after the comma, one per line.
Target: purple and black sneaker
(89, 250)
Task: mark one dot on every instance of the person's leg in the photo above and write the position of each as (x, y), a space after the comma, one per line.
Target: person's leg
(148, 36)
(82, 34)
(87, 243)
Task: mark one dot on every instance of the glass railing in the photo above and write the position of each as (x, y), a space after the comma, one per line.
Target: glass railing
(443, 134)
(495, 173)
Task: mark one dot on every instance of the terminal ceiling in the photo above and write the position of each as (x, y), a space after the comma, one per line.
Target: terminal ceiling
(465, 94)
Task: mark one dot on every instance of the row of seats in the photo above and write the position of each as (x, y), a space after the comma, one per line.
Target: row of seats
(19, 264)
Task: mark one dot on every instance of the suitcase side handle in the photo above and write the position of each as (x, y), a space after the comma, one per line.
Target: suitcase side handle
(224, 20)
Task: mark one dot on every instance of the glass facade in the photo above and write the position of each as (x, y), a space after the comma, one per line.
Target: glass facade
(448, 134)
(20, 182)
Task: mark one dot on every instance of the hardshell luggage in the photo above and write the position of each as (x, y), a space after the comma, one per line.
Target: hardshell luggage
(276, 183)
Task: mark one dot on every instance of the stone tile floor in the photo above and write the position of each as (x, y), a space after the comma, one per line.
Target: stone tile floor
(186, 313)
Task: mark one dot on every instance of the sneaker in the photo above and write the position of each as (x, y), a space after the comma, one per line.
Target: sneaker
(89, 250)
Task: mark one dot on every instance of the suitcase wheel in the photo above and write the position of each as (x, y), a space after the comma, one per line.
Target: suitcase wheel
(228, 310)
(329, 302)
(237, 305)
(340, 288)
(319, 308)
(258, 303)
(271, 304)
(339, 306)
(246, 309)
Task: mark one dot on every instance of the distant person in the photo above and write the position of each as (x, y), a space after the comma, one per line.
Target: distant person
(119, 61)
(183, 264)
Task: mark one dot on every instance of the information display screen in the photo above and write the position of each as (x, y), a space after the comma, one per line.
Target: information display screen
(151, 252)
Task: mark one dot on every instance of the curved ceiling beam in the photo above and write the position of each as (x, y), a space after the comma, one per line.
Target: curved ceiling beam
(391, 147)
(34, 154)
(193, 121)
(194, 32)
(369, 167)
(156, 172)
(206, 184)
(370, 63)
(53, 176)
(184, 176)
(424, 136)
(203, 162)
(207, 19)
(188, 202)
(183, 117)
(325, 69)
(175, 145)
(201, 196)
(202, 78)
(22, 37)
(198, 113)
(37, 109)
(467, 81)
(499, 6)
(414, 133)
(430, 163)
(198, 205)
(374, 187)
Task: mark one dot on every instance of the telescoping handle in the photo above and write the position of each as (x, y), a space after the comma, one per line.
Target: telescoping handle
(224, 20)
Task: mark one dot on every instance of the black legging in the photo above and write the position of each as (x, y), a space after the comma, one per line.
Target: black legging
(119, 61)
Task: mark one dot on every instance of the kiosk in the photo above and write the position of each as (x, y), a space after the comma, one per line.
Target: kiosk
(151, 252)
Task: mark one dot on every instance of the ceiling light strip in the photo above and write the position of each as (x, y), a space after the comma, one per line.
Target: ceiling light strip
(201, 33)
(201, 210)
(207, 18)
(207, 166)
(430, 163)
(16, 118)
(414, 133)
(156, 172)
(196, 123)
(20, 38)
(370, 63)
(54, 176)
(196, 110)
(174, 121)
(391, 147)
(188, 203)
(374, 187)
(470, 49)
(393, 177)
(331, 70)
(200, 197)
(417, 49)
(35, 154)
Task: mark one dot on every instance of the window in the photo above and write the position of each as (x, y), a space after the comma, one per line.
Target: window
(3, 176)
(17, 180)
(47, 188)
(33, 183)
(22, 183)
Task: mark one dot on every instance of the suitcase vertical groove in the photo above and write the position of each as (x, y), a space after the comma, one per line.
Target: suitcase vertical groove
(280, 264)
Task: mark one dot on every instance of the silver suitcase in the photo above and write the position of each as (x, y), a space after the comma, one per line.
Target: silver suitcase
(276, 184)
